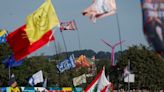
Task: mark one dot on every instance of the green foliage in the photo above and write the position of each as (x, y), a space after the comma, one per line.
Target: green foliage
(147, 66)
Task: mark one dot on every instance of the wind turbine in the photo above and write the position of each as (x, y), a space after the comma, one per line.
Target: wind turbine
(113, 50)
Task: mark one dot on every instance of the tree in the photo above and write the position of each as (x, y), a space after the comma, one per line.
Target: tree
(147, 66)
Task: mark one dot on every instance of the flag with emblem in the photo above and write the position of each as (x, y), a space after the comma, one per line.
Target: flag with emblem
(36, 33)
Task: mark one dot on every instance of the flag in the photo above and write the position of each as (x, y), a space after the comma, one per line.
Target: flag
(99, 84)
(67, 64)
(11, 62)
(153, 20)
(79, 80)
(3, 34)
(71, 25)
(100, 9)
(82, 61)
(126, 71)
(41, 21)
(129, 78)
(36, 78)
(36, 33)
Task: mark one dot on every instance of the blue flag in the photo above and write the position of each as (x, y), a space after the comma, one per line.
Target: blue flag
(3, 35)
(67, 64)
(11, 62)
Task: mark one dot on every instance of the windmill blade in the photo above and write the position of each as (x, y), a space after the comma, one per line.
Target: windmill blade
(107, 43)
(120, 42)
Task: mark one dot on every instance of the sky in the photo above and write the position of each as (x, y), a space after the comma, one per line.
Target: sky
(14, 12)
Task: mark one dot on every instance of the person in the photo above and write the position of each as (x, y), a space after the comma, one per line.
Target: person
(13, 85)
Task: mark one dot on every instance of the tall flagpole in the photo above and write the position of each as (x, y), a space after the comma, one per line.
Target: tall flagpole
(53, 30)
(119, 32)
(78, 35)
(64, 43)
(9, 73)
(128, 76)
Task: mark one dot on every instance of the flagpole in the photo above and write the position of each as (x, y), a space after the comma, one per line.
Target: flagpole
(128, 76)
(119, 32)
(78, 35)
(64, 43)
(9, 72)
(56, 51)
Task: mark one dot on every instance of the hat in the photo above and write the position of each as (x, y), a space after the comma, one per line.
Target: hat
(11, 81)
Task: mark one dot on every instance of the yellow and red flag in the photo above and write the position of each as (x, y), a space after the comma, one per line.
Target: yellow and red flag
(36, 33)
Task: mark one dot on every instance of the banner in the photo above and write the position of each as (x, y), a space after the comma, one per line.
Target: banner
(67, 64)
(153, 20)
(79, 80)
(129, 78)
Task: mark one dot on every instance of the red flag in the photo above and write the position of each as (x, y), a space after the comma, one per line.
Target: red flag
(36, 33)
(21, 45)
(71, 25)
(99, 84)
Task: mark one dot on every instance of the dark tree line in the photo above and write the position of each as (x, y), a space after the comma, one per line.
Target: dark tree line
(147, 66)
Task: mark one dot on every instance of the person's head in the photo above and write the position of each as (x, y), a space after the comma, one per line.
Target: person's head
(14, 84)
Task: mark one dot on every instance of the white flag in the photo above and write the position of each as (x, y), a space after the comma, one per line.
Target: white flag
(126, 71)
(129, 78)
(36, 78)
(100, 9)
(103, 82)
(79, 80)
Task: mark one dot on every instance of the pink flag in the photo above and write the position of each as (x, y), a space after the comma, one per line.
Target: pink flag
(100, 9)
